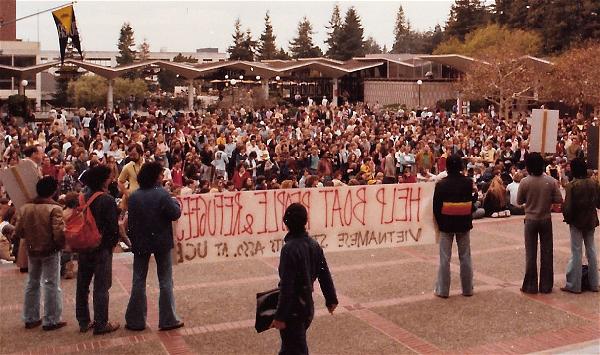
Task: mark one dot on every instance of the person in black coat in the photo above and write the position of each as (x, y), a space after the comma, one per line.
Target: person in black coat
(152, 211)
(302, 262)
(453, 208)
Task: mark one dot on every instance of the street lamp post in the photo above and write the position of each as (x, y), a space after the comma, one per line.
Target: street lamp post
(22, 84)
(419, 83)
(232, 82)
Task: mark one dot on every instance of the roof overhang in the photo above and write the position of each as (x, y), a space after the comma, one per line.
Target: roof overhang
(25, 72)
(457, 61)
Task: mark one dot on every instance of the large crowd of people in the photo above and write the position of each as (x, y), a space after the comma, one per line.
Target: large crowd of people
(126, 152)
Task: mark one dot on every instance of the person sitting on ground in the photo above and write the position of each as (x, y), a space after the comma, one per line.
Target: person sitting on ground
(494, 202)
(512, 190)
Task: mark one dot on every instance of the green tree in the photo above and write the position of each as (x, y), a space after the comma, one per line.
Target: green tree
(466, 16)
(521, 41)
(124, 88)
(561, 24)
(371, 46)
(249, 46)
(143, 51)
(282, 55)
(351, 36)
(333, 36)
(88, 91)
(267, 48)
(401, 32)
(240, 50)
(65, 74)
(302, 45)
(126, 45)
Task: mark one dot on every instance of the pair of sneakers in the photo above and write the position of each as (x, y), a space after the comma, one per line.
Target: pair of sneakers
(48, 327)
(501, 214)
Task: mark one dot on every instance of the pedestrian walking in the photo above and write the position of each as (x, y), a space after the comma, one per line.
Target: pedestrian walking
(97, 263)
(453, 208)
(301, 263)
(538, 192)
(579, 209)
(152, 211)
(41, 224)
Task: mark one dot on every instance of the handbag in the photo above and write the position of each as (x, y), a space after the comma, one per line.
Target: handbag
(266, 306)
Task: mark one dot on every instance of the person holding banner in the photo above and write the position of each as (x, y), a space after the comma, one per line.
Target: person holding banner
(579, 209)
(302, 262)
(151, 213)
(538, 192)
(453, 208)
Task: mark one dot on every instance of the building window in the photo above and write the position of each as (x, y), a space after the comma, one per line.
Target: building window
(24, 61)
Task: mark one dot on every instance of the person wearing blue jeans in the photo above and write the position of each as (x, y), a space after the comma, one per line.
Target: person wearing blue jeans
(152, 211)
(453, 207)
(47, 269)
(41, 224)
(579, 210)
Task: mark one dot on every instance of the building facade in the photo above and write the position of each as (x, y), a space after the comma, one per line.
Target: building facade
(8, 15)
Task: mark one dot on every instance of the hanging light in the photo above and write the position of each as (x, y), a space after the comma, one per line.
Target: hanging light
(258, 77)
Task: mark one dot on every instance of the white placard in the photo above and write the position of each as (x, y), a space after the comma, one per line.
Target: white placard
(19, 182)
(544, 130)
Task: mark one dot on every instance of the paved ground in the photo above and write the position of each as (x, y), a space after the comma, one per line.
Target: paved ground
(387, 306)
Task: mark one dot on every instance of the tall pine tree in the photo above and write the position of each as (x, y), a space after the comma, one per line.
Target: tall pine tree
(249, 46)
(466, 16)
(401, 33)
(126, 45)
(267, 49)
(371, 46)
(351, 36)
(302, 46)
(333, 36)
(239, 49)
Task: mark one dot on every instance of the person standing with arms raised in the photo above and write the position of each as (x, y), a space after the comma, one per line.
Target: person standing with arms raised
(538, 192)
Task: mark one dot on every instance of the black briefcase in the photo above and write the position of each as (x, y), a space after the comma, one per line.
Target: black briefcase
(266, 306)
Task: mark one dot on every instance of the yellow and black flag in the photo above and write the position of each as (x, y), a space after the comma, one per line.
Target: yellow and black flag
(66, 27)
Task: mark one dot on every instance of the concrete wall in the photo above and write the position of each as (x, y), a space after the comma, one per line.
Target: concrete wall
(407, 92)
(8, 12)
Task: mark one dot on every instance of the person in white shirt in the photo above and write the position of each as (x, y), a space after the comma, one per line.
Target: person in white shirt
(220, 162)
(512, 189)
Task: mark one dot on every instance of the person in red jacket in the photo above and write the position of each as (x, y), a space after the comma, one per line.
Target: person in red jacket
(239, 176)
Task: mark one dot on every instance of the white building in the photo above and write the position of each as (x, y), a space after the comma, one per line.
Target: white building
(20, 54)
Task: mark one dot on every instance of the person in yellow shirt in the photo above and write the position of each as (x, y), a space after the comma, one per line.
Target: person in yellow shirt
(128, 178)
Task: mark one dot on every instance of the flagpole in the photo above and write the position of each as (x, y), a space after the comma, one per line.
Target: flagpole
(2, 23)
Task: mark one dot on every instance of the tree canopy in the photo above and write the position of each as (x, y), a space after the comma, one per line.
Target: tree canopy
(267, 48)
(520, 41)
(126, 45)
(302, 45)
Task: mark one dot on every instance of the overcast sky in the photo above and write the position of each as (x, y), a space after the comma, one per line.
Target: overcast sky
(187, 25)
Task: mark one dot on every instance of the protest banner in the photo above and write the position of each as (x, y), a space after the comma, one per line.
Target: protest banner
(544, 130)
(241, 225)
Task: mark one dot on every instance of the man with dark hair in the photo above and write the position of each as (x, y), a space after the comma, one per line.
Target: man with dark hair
(302, 262)
(582, 200)
(128, 178)
(97, 263)
(538, 192)
(151, 214)
(41, 223)
(453, 208)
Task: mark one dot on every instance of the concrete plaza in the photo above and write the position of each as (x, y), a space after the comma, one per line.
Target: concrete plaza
(386, 306)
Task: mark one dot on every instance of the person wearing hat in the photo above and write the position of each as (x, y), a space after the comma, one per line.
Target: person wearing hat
(301, 263)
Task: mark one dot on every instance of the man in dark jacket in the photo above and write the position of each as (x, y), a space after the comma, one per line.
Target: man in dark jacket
(97, 263)
(302, 262)
(453, 208)
(151, 214)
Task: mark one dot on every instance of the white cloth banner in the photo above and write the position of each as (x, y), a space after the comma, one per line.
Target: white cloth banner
(241, 225)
